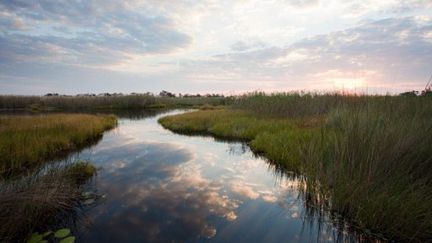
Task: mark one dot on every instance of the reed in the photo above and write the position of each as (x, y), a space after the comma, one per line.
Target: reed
(374, 164)
(368, 158)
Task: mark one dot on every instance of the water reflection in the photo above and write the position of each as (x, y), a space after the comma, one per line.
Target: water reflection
(163, 187)
(237, 148)
(155, 189)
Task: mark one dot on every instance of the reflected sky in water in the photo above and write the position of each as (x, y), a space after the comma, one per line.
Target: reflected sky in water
(164, 187)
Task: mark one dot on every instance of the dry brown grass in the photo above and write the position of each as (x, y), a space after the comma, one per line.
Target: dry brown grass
(38, 201)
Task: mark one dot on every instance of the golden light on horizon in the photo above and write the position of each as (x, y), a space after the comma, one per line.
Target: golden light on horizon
(349, 83)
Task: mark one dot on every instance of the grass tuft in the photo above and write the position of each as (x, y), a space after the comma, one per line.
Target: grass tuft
(36, 202)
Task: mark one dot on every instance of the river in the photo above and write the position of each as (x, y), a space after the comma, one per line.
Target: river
(157, 186)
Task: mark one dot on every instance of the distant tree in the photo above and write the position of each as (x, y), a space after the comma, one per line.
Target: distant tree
(412, 93)
(165, 93)
(51, 94)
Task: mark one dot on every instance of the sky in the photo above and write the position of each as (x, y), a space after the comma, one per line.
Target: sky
(210, 46)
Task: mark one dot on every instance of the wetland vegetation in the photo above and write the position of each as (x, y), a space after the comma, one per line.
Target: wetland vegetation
(368, 158)
(35, 195)
(43, 201)
(365, 159)
(28, 141)
(106, 102)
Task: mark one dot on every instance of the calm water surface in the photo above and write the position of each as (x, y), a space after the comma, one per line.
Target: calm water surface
(158, 186)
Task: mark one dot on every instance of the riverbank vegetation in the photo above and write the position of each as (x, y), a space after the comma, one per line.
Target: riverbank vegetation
(28, 141)
(36, 195)
(368, 158)
(105, 102)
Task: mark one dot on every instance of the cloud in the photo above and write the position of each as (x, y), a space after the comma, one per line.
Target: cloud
(85, 33)
(390, 50)
(403, 6)
(244, 46)
(388, 54)
(217, 46)
(302, 3)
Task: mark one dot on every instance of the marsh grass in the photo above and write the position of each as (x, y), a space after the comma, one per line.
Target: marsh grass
(120, 102)
(35, 195)
(375, 167)
(29, 141)
(296, 104)
(368, 158)
(277, 138)
(41, 201)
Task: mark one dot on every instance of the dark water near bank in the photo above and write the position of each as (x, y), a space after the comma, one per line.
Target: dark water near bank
(157, 186)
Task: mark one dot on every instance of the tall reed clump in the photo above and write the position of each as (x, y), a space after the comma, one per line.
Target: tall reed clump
(28, 141)
(41, 201)
(374, 165)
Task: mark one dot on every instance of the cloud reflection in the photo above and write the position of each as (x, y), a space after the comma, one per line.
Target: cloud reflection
(154, 190)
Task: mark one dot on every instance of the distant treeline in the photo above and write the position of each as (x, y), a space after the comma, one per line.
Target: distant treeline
(108, 101)
(163, 93)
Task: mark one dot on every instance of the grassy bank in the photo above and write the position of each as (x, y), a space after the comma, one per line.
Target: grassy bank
(43, 199)
(366, 158)
(28, 141)
(262, 133)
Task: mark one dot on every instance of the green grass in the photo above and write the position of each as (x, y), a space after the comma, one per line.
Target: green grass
(368, 158)
(376, 167)
(40, 199)
(276, 138)
(28, 141)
